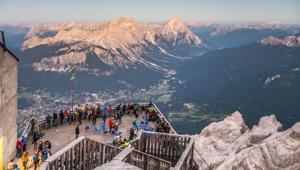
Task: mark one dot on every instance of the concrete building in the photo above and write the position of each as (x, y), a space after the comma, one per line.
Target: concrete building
(8, 103)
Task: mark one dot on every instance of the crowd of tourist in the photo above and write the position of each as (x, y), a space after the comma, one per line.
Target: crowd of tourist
(110, 119)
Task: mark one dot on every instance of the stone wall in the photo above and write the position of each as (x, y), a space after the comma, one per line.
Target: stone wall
(8, 103)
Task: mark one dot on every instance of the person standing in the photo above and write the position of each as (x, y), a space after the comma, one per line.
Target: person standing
(94, 117)
(48, 145)
(104, 117)
(77, 131)
(19, 148)
(32, 125)
(110, 124)
(48, 119)
(79, 116)
(24, 142)
(44, 152)
(40, 147)
(55, 119)
(36, 159)
(66, 115)
(61, 117)
(25, 159)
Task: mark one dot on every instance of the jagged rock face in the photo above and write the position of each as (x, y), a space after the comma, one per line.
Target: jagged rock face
(229, 144)
(266, 126)
(221, 139)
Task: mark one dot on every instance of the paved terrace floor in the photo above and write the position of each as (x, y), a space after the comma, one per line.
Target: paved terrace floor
(62, 135)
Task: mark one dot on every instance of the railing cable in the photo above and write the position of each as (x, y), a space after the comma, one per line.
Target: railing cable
(202, 158)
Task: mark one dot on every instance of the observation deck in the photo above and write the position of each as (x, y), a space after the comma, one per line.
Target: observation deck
(94, 149)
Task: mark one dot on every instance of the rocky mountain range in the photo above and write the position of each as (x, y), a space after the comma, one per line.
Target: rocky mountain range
(289, 41)
(120, 43)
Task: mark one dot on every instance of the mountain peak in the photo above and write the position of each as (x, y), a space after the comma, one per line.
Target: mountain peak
(176, 31)
(175, 24)
(122, 21)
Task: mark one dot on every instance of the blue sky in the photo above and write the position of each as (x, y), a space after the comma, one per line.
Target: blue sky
(220, 11)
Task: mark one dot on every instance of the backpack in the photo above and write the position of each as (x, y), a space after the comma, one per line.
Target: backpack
(36, 157)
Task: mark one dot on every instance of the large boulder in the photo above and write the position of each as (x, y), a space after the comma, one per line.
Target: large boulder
(229, 144)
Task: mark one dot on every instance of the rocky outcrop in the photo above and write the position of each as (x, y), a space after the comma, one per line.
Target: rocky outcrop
(230, 144)
(289, 41)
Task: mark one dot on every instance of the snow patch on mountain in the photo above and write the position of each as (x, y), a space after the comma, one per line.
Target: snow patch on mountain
(269, 80)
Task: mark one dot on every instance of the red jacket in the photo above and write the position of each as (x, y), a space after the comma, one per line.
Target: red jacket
(19, 143)
(66, 113)
(110, 123)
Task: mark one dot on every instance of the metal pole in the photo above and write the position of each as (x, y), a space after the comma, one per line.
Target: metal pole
(73, 93)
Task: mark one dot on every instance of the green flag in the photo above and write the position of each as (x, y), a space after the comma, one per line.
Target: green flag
(73, 76)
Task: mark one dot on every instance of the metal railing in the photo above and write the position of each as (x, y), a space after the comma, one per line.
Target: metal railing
(203, 165)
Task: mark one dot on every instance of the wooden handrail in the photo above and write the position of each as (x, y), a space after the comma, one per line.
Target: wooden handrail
(185, 154)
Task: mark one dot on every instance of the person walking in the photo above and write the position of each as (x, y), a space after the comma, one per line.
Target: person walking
(77, 131)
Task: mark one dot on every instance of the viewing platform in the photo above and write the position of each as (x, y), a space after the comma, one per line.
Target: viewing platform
(94, 149)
